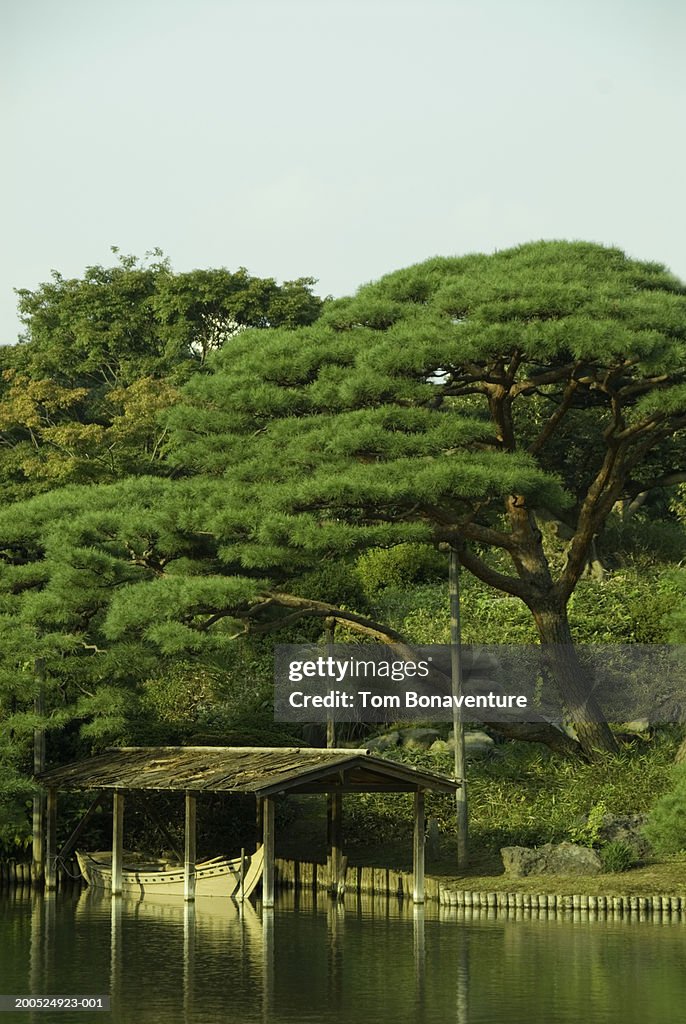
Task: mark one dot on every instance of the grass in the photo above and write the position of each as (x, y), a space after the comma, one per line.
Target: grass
(523, 796)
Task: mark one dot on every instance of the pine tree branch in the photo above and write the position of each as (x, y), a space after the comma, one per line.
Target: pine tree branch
(509, 584)
(321, 609)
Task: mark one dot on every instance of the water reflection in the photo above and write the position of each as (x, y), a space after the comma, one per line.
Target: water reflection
(332, 962)
(116, 940)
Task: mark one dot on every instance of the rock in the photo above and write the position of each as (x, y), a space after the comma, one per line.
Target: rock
(384, 742)
(421, 738)
(636, 731)
(638, 725)
(551, 859)
(442, 747)
(476, 745)
(625, 828)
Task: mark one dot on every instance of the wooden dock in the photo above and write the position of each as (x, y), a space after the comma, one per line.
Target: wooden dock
(19, 875)
(313, 877)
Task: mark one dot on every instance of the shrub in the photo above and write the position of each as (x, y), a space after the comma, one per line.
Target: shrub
(666, 827)
(588, 834)
(618, 856)
(400, 566)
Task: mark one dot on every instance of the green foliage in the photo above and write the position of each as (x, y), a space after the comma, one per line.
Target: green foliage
(666, 827)
(588, 833)
(400, 567)
(618, 856)
(461, 400)
(675, 619)
(15, 835)
(483, 414)
(643, 542)
(524, 796)
(103, 356)
(626, 606)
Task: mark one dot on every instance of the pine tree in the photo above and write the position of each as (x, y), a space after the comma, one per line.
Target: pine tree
(462, 401)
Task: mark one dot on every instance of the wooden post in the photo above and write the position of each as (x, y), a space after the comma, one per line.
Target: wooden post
(259, 820)
(330, 723)
(458, 725)
(418, 848)
(335, 807)
(51, 842)
(330, 743)
(189, 852)
(268, 840)
(38, 869)
(117, 840)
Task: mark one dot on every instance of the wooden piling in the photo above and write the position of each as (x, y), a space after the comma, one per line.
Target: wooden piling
(51, 841)
(418, 848)
(335, 810)
(117, 841)
(268, 841)
(190, 849)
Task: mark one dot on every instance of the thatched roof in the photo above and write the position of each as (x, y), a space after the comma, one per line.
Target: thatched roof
(259, 770)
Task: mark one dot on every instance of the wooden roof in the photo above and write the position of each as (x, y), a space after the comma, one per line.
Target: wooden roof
(260, 770)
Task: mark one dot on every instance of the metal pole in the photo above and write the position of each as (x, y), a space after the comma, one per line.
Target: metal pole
(458, 726)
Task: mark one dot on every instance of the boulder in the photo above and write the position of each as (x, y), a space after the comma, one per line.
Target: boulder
(476, 745)
(551, 859)
(384, 742)
(625, 828)
(442, 747)
(639, 725)
(421, 738)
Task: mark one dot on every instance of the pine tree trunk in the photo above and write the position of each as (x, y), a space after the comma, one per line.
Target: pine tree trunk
(572, 680)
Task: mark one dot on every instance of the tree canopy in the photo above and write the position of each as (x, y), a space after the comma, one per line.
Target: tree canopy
(503, 404)
(104, 354)
(466, 401)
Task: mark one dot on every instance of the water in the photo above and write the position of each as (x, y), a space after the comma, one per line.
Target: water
(369, 960)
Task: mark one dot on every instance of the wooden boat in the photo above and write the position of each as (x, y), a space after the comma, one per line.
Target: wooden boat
(217, 877)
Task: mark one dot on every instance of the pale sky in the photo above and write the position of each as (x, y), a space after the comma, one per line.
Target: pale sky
(339, 139)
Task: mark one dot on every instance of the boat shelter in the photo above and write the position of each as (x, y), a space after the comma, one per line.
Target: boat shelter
(266, 772)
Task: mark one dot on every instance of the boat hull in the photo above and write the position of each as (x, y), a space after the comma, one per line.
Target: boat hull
(220, 877)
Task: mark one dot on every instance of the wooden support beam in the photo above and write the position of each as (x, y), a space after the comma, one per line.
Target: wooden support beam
(150, 812)
(418, 848)
(268, 842)
(189, 851)
(73, 839)
(51, 841)
(117, 840)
